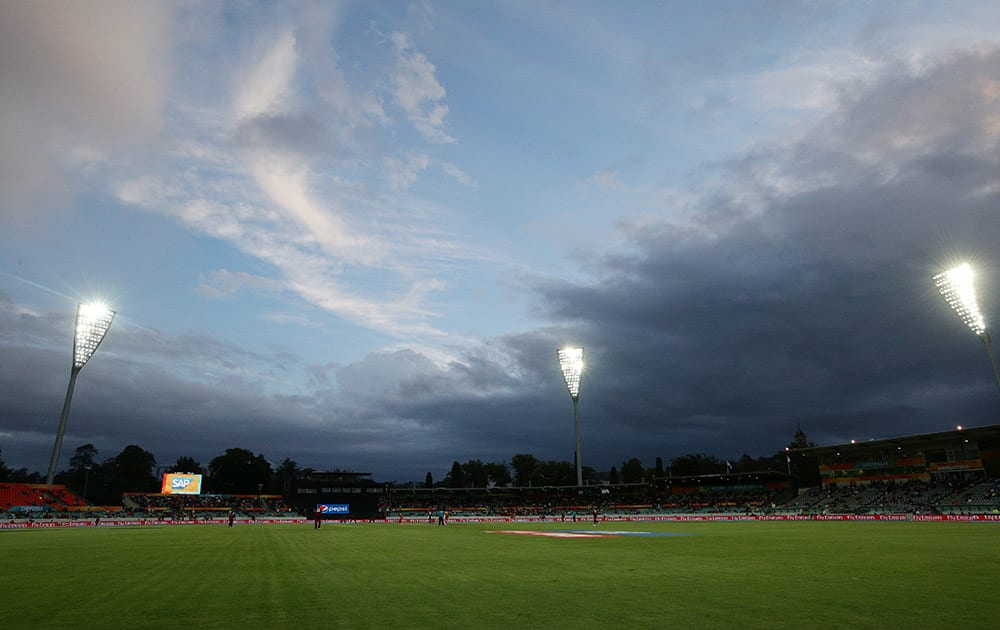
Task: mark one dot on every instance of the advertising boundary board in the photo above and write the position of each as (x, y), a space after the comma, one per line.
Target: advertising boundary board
(720, 518)
(676, 518)
(146, 522)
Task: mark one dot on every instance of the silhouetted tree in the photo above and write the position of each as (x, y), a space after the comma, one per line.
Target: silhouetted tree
(132, 470)
(554, 473)
(22, 475)
(524, 466)
(429, 480)
(456, 478)
(286, 478)
(135, 470)
(613, 478)
(238, 471)
(474, 473)
(83, 469)
(696, 464)
(84, 457)
(497, 473)
(632, 471)
(186, 464)
(477, 474)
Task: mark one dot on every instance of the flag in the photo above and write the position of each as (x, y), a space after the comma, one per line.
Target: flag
(729, 467)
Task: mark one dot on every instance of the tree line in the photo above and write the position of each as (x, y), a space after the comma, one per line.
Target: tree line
(240, 471)
(134, 469)
(526, 470)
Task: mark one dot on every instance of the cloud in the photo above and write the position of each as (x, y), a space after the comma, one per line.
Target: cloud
(75, 75)
(457, 174)
(418, 91)
(808, 298)
(286, 184)
(789, 285)
(267, 87)
(224, 283)
(396, 413)
(402, 171)
(605, 179)
(270, 145)
(279, 179)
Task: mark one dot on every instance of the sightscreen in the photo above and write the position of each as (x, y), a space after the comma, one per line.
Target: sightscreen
(181, 483)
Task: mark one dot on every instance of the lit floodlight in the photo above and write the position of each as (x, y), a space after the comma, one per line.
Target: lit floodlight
(571, 364)
(92, 323)
(958, 288)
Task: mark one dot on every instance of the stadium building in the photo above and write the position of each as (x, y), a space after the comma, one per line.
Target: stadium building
(962, 455)
(356, 490)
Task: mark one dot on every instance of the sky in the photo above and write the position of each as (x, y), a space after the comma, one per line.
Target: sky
(353, 234)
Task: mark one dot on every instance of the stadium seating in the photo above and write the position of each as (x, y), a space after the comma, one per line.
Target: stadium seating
(204, 504)
(879, 497)
(38, 496)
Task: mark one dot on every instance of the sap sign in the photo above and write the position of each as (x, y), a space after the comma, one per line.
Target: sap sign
(334, 508)
(181, 483)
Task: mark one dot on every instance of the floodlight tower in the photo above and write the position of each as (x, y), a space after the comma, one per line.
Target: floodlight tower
(959, 290)
(571, 364)
(92, 323)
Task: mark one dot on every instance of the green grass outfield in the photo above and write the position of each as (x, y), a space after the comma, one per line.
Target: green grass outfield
(742, 575)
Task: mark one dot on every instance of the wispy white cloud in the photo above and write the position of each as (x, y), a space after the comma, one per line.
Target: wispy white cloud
(606, 179)
(285, 182)
(457, 174)
(267, 86)
(418, 91)
(268, 174)
(402, 171)
(224, 283)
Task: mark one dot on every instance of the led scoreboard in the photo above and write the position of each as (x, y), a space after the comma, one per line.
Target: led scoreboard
(181, 483)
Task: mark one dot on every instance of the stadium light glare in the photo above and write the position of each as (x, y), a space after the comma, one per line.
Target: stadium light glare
(571, 364)
(957, 286)
(92, 323)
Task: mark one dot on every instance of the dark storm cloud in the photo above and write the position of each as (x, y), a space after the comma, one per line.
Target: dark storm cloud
(395, 414)
(799, 295)
(813, 305)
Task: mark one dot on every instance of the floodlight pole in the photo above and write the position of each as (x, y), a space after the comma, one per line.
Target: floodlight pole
(54, 461)
(576, 425)
(571, 364)
(91, 324)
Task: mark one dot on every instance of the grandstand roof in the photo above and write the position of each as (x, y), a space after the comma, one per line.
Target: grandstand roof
(925, 441)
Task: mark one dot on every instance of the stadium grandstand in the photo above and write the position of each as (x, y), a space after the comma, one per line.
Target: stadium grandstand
(191, 506)
(961, 456)
(35, 497)
(354, 489)
(948, 473)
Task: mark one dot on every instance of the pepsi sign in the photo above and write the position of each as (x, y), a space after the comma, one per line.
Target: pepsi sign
(334, 508)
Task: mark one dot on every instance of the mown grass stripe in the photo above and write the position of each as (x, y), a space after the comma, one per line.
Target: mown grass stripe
(750, 575)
